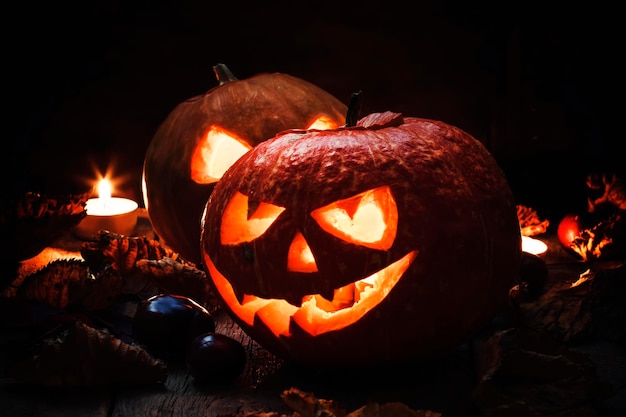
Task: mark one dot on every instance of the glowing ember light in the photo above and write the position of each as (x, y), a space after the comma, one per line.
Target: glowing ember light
(533, 246)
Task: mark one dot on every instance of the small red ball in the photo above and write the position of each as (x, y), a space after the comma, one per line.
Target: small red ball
(569, 228)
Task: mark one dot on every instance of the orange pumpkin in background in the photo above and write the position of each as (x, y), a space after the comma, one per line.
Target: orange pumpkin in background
(365, 245)
(205, 134)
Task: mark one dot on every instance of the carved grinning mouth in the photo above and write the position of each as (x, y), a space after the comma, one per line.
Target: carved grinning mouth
(315, 314)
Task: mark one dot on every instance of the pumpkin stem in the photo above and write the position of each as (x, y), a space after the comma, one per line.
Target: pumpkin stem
(354, 109)
(223, 74)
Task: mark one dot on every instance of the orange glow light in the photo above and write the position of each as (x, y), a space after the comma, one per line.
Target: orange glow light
(533, 246)
(369, 219)
(237, 227)
(323, 123)
(215, 154)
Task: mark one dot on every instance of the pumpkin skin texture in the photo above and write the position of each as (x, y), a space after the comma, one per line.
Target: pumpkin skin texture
(176, 178)
(451, 241)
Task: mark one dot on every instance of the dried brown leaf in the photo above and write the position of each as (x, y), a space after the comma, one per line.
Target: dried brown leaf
(123, 252)
(178, 278)
(264, 414)
(71, 282)
(608, 309)
(563, 310)
(307, 405)
(81, 355)
(528, 373)
(578, 310)
(33, 221)
(66, 282)
(605, 189)
(606, 240)
(37, 206)
(391, 409)
(529, 221)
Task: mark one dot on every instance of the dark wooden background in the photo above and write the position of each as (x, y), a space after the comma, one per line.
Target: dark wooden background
(89, 82)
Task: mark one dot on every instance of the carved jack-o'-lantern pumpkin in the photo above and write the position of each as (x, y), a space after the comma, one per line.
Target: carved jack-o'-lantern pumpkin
(387, 241)
(204, 135)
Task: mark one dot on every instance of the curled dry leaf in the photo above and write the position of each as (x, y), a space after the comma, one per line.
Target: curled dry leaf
(604, 241)
(72, 282)
(392, 409)
(608, 310)
(30, 222)
(264, 414)
(35, 206)
(529, 221)
(39, 219)
(123, 252)
(66, 282)
(563, 310)
(591, 306)
(605, 189)
(307, 405)
(81, 355)
(528, 373)
(148, 268)
(182, 279)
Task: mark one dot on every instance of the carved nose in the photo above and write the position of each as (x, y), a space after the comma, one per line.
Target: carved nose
(300, 258)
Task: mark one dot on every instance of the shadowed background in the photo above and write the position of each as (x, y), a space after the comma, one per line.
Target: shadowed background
(91, 82)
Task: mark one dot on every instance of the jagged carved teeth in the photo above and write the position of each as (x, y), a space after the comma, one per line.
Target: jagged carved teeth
(328, 299)
(295, 300)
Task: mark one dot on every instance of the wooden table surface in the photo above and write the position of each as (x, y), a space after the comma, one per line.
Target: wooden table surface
(443, 384)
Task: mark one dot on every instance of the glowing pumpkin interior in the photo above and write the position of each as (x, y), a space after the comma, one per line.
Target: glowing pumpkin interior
(368, 219)
(219, 149)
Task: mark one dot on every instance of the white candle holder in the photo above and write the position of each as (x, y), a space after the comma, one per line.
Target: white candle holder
(115, 214)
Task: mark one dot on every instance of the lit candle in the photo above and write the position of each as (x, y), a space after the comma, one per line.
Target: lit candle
(115, 214)
(533, 246)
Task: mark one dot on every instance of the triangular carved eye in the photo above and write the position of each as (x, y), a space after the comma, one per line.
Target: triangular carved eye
(241, 224)
(369, 219)
(215, 153)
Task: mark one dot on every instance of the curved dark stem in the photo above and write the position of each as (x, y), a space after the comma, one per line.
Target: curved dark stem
(223, 74)
(354, 109)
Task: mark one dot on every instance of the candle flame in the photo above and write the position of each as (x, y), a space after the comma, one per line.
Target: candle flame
(104, 189)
